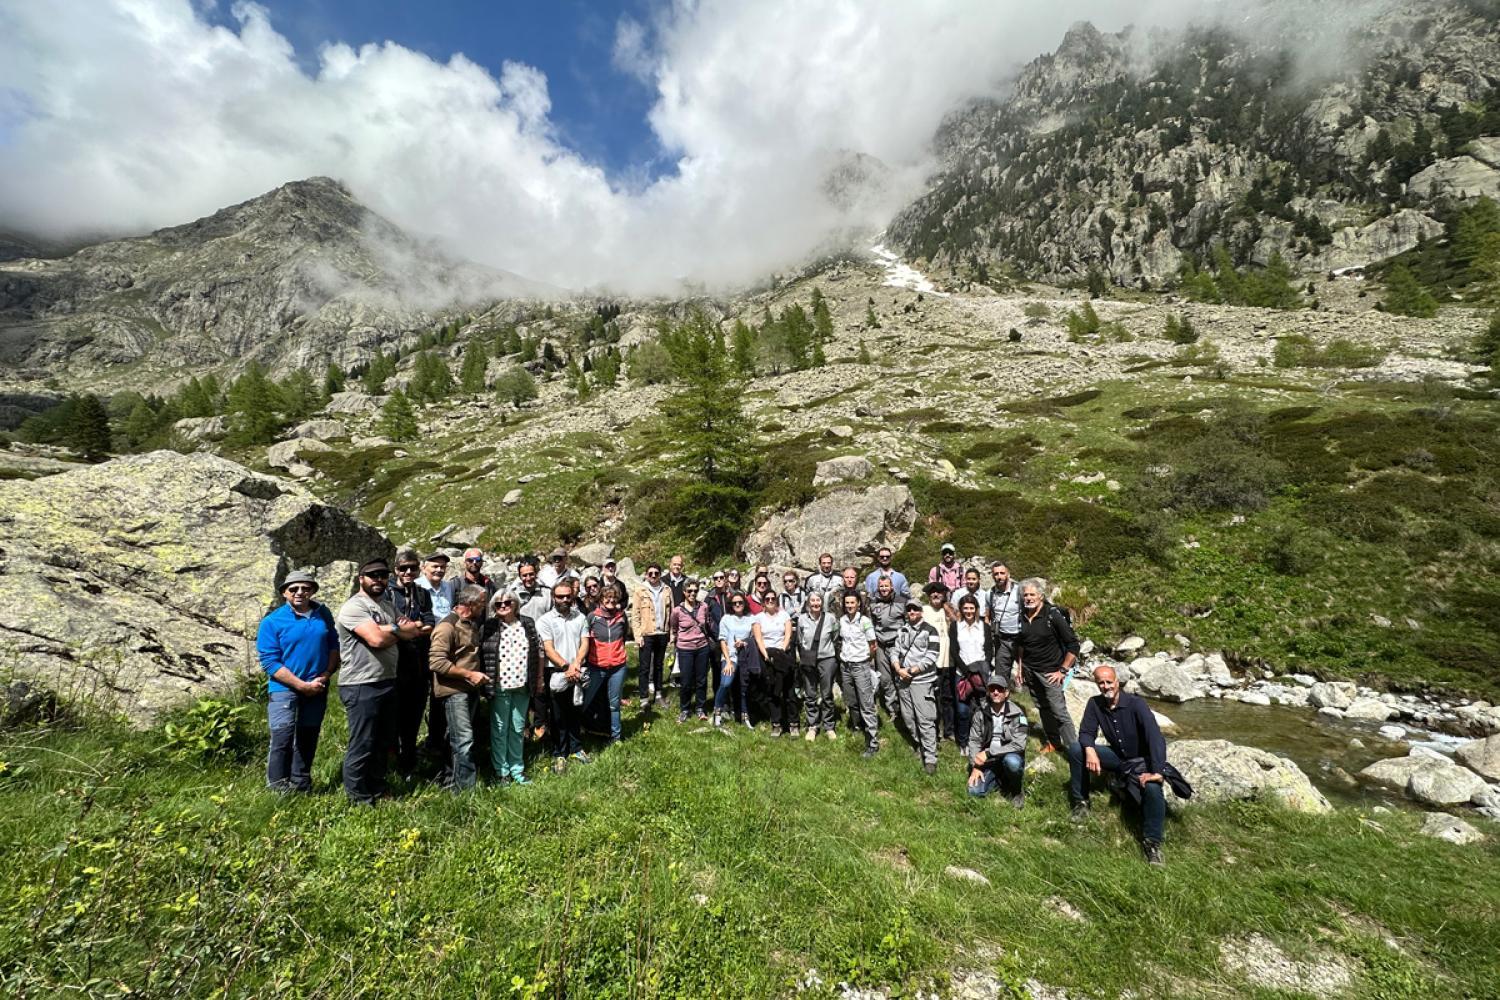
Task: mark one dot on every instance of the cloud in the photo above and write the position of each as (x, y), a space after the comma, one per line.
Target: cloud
(133, 114)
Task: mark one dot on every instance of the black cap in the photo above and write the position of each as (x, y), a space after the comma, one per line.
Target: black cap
(935, 587)
(365, 569)
(438, 557)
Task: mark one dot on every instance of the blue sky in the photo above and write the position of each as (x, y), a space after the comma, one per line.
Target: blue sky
(598, 111)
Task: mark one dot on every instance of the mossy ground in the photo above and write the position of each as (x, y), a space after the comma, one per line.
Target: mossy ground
(684, 863)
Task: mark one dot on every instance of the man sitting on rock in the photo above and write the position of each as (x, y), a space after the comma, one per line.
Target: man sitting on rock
(997, 743)
(1136, 751)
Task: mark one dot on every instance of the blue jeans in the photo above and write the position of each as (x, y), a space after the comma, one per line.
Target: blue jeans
(693, 666)
(729, 680)
(1153, 798)
(611, 681)
(460, 710)
(1003, 772)
(295, 724)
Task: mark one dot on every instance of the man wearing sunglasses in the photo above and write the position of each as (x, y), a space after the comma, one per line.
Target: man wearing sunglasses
(369, 631)
(413, 680)
(792, 595)
(474, 574)
(298, 649)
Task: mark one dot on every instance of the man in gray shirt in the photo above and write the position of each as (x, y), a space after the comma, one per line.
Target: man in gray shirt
(914, 660)
(368, 631)
(1002, 609)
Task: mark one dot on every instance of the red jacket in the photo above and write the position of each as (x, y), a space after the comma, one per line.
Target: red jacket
(606, 640)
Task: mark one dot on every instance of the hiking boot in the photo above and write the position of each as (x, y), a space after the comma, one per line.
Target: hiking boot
(811, 736)
(1018, 801)
(871, 750)
(776, 734)
(794, 732)
(1153, 853)
(681, 717)
(748, 724)
(930, 767)
(830, 734)
(1080, 812)
(582, 757)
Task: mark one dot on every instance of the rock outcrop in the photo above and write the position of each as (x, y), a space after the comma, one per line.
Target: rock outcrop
(1427, 776)
(851, 524)
(1220, 771)
(1446, 826)
(1482, 757)
(140, 582)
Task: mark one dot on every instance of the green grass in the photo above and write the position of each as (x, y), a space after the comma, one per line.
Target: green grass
(683, 864)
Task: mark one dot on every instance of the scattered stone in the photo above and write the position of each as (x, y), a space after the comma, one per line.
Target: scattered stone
(965, 875)
(1064, 909)
(1255, 698)
(387, 510)
(323, 430)
(1331, 713)
(1130, 644)
(1380, 621)
(1482, 756)
(529, 477)
(465, 537)
(841, 431)
(1445, 826)
(355, 403)
(1220, 771)
(1266, 966)
(1169, 681)
(1369, 709)
(1393, 733)
(1304, 680)
(201, 428)
(592, 554)
(444, 533)
(1447, 785)
(284, 454)
(511, 498)
(842, 469)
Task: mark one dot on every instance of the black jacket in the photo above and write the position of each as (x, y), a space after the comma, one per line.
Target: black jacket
(1046, 640)
(489, 652)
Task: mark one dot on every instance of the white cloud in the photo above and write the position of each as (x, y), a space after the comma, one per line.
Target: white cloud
(134, 114)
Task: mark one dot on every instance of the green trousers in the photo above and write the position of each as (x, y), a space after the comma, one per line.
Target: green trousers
(508, 732)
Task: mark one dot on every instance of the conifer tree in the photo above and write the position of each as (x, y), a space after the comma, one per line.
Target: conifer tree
(300, 396)
(380, 369)
(194, 400)
(797, 334)
(476, 362)
(515, 385)
(742, 349)
(333, 381)
(140, 426)
(254, 406)
(89, 434)
(1404, 296)
(397, 419)
(607, 369)
(872, 322)
(864, 354)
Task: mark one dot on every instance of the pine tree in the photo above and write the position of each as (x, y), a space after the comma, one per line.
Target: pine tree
(515, 386)
(1404, 296)
(577, 380)
(254, 406)
(822, 318)
(300, 396)
(819, 358)
(797, 333)
(431, 382)
(476, 362)
(528, 349)
(649, 363)
(89, 433)
(194, 400)
(872, 322)
(607, 369)
(333, 381)
(864, 354)
(380, 369)
(742, 349)
(397, 419)
(140, 426)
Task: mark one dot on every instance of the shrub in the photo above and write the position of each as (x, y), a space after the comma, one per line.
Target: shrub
(515, 385)
(1037, 310)
(1293, 551)
(1082, 322)
(1180, 330)
(209, 730)
(1404, 296)
(1298, 351)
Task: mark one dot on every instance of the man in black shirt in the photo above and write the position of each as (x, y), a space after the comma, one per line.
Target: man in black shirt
(1046, 649)
(1135, 750)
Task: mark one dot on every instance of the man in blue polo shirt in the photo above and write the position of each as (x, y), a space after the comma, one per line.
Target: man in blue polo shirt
(298, 649)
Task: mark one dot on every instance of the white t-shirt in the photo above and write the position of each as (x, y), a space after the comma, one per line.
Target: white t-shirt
(732, 628)
(855, 636)
(773, 628)
(566, 633)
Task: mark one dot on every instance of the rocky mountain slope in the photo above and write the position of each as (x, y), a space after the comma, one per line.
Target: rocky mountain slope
(1130, 155)
(301, 276)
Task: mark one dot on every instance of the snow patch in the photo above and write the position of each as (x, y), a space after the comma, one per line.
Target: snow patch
(899, 274)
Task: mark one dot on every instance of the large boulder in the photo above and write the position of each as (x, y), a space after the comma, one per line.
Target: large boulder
(323, 430)
(1220, 771)
(141, 582)
(1332, 694)
(1369, 710)
(842, 469)
(1445, 826)
(1170, 681)
(201, 428)
(851, 524)
(1462, 178)
(1426, 776)
(1482, 756)
(285, 454)
(592, 554)
(355, 403)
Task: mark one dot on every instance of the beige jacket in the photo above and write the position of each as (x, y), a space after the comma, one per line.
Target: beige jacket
(455, 646)
(643, 611)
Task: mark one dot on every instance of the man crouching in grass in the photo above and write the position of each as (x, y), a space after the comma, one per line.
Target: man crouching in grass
(1137, 752)
(997, 743)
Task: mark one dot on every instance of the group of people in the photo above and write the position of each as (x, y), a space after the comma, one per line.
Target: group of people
(546, 657)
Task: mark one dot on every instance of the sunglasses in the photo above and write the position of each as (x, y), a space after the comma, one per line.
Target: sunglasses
(406, 569)
(505, 604)
(377, 574)
(299, 588)
(476, 559)
(718, 576)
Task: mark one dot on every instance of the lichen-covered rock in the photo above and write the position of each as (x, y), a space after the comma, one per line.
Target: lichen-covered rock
(1445, 826)
(1332, 694)
(201, 428)
(851, 524)
(1220, 771)
(285, 454)
(1445, 785)
(1170, 681)
(1368, 709)
(141, 581)
(323, 430)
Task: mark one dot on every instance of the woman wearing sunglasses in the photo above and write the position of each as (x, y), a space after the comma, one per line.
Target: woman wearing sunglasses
(735, 641)
(510, 653)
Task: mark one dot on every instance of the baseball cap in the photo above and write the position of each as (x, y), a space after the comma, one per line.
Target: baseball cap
(998, 680)
(948, 547)
(374, 564)
(437, 557)
(914, 606)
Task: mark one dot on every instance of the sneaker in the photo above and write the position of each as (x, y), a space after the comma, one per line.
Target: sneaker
(871, 750)
(559, 765)
(748, 724)
(830, 734)
(650, 694)
(776, 734)
(1153, 853)
(811, 736)
(930, 767)
(795, 732)
(702, 716)
(1018, 801)
(582, 757)
(1080, 812)
(661, 700)
(681, 717)
(520, 779)
(718, 721)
